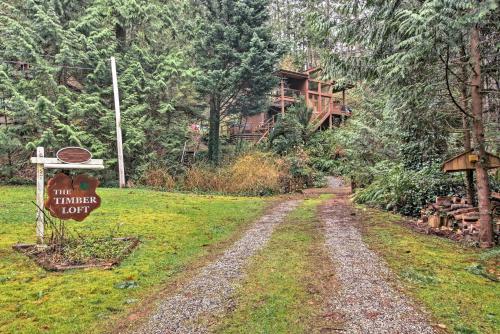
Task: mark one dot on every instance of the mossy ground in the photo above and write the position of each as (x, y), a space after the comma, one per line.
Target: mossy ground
(449, 280)
(175, 229)
(281, 293)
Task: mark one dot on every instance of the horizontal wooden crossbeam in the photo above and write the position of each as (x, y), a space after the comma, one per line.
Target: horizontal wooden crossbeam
(54, 163)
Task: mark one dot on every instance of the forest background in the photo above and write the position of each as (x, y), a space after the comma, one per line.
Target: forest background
(179, 61)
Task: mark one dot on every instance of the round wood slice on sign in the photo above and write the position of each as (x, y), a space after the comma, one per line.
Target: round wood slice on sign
(74, 155)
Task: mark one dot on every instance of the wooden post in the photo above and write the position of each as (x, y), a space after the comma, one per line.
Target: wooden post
(282, 97)
(40, 187)
(307, 92)
(119, 144)
(343, 97)
(319, 101)
(330, 125)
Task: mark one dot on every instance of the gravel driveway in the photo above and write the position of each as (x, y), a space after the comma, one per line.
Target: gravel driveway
(366, 301)
(209, 292)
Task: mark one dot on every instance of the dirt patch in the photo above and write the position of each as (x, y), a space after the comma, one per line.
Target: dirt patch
(57, 258)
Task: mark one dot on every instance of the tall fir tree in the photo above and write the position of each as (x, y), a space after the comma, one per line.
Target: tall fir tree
(55, 80)
(236, 56)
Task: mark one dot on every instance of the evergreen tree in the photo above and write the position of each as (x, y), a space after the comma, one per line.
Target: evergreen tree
(55, 79)
(418, 54)
(237, 57)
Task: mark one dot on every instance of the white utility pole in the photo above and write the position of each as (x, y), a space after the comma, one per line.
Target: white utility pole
(119, 144)
(40, 187)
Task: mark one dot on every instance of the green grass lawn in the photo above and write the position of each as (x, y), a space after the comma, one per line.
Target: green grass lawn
(175, 230)
(278, 295)
(448, 279)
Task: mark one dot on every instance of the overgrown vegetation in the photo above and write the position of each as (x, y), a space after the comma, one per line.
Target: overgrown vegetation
(407, 191)
(252, 172)
(55, 86)
(431, 70)
(175, 230)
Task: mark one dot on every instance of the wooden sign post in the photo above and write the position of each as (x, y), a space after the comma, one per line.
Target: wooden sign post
(40, 186)
(67, 158)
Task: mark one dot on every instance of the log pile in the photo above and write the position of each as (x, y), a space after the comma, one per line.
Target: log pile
(455, 217)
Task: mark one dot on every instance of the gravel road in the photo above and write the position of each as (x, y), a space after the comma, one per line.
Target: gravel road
(209, 292)
(366, 301)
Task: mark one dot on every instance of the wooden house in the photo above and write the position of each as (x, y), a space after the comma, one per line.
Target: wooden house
(325, 99)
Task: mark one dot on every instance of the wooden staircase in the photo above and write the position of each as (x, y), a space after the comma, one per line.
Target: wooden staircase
(260, 132)
(318, 119)
(250, 136)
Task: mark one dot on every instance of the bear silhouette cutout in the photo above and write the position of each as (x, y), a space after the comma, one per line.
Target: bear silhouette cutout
(72, 198)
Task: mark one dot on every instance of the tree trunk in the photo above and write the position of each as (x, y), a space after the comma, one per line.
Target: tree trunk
(469, 176)
(213, 132)
(483, 187)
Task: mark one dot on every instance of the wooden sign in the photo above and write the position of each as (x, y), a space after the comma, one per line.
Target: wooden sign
(73, 155)
(72, 198)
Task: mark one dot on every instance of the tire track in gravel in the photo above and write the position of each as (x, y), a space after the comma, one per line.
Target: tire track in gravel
(367, 301)
(210, 291)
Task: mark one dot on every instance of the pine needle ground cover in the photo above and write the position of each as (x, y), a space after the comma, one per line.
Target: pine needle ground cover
(174, 229)
(286, 280)
(457, 285)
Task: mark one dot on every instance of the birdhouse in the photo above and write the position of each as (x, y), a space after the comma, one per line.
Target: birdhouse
(467, 161)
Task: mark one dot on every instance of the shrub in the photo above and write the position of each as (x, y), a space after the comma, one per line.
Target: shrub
(407, 191)
(290, 131)
(256, 173)
(324, 152)
(158, 178)
(253, 173)
(203, 177)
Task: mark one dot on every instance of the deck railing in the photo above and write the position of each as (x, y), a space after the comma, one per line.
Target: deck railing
(288, 92)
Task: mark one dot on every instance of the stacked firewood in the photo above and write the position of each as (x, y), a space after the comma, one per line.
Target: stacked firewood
(454, 215)
(451, 213)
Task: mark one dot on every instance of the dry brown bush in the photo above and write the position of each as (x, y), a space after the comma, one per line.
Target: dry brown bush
(201, 177)
(158, 178)
(254, 173)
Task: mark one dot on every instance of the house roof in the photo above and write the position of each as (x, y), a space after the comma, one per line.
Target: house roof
(307, 75)
(291, 74)
(464, 161)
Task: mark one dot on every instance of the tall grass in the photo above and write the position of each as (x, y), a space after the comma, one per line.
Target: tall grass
(158, 178)
(254, 173)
